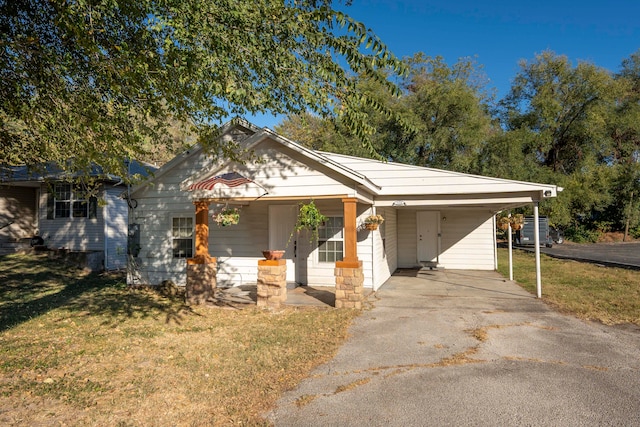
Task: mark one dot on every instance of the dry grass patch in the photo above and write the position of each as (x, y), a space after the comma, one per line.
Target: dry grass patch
(352, 385)
(91, 351)
(606, 294)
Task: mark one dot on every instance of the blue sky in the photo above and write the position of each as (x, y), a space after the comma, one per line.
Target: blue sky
(500, 33)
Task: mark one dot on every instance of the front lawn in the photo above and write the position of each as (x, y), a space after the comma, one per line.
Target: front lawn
(81, 349)
(606, 294)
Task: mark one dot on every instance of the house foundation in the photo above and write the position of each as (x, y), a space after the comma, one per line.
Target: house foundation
(349, 286)
(201, 279)
(272, 283)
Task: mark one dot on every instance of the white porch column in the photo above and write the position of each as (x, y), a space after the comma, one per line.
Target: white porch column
(536, 233)
(509, 231)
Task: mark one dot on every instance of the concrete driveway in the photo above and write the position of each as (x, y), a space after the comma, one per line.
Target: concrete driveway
(468, 348)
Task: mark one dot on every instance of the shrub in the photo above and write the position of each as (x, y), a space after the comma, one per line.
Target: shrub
(580, 234)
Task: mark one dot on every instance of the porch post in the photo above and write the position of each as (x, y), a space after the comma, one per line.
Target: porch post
(202, 229)
(536, 232)
(348, 272)
(509, 231)
(202, 268)
(350, 238)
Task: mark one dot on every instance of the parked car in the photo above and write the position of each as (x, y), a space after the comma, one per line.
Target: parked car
(526, 236)
(556, 235)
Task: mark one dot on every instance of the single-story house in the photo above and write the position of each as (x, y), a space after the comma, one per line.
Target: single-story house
(43, 202)
(432, 217)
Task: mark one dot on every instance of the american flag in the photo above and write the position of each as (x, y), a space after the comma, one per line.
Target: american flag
(230, 179)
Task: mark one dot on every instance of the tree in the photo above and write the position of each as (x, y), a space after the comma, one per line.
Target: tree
(94, 80)
(624, 129)
(441, 119)
(560, 114)
(449, 112)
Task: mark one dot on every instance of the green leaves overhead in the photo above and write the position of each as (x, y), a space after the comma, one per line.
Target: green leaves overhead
(95, 81)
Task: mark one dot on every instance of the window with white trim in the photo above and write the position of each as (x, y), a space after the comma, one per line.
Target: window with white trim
(331, 240)
(70, 201)
(182, 237)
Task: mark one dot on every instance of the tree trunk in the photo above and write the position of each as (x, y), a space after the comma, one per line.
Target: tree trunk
(626, 225)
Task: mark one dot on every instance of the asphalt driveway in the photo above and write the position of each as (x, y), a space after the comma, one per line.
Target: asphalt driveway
(615, 254)
(470, 348)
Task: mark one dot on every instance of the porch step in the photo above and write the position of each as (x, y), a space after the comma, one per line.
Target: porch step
(429, 264)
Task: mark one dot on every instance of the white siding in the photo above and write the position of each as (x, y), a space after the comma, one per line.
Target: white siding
(323, 273)
(157, 204)
(385, 248)
(467, 240)
(115, 214)
(278, 175)
(407, 241)
(76, 234)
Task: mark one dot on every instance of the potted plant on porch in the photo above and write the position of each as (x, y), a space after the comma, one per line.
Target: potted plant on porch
(373, 221)
(227, 216)
(309, 218)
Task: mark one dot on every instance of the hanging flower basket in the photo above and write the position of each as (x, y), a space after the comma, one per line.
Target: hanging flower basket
(503, 223)
(516, 221)
(227, 217)
(309, 218)
(373, 221)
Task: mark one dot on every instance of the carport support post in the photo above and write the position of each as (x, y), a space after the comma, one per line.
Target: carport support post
(348, 272)
(509, 231)
(536, 233)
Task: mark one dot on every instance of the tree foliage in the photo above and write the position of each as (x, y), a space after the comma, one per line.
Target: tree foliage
(576, 126)
(96, 80)
(441, 119)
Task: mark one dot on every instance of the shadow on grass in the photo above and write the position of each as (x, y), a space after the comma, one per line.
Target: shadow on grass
(31, 286)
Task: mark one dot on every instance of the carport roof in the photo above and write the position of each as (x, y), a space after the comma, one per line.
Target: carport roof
(442, 188)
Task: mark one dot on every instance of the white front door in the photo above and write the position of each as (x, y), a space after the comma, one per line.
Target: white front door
(282, 219)
(428, 227)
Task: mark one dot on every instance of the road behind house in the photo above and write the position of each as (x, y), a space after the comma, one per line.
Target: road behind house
(614, 254)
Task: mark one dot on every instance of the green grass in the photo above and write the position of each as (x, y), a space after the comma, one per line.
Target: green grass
(81, 349)
(606, 294)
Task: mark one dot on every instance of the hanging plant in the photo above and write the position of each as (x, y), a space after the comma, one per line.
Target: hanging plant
(373, 221)
(309, 218)
(503, 223)
(516, 221)
(227, 216)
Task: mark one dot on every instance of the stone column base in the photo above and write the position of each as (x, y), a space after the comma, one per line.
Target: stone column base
(349, 285)
(272, 283)
(201, 279)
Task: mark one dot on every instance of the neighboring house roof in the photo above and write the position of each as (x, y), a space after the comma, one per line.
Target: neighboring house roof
(51, 171)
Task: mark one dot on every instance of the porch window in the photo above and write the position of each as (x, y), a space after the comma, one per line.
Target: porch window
(70, 201)
(182, 233)
(331, 240)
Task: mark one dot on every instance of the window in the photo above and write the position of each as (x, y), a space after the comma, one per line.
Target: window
(182, 233)
(331, 240)
(70, 202)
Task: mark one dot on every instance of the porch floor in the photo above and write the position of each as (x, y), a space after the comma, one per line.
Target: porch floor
(318, 296)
